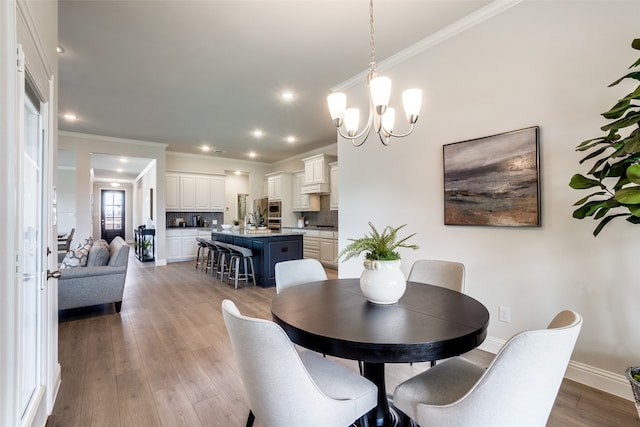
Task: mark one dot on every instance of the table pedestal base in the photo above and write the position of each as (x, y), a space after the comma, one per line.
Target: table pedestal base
(384, 414)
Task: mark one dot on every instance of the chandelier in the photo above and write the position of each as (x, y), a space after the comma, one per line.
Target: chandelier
(381, 116)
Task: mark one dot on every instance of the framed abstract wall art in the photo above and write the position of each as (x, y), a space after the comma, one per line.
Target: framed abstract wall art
(494, 180)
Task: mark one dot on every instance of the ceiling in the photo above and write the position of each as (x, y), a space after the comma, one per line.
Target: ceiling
(188, 73)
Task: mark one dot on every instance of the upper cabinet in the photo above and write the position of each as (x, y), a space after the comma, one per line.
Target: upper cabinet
(190, 192)
(173, 191)
(333, 197)
(303, 202)
(316, 174)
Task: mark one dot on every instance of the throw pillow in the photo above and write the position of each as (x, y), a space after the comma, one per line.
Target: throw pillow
(98, 254)
(85, 242)
(76, 258)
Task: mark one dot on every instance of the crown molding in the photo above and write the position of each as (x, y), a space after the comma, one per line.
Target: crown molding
(458, 27)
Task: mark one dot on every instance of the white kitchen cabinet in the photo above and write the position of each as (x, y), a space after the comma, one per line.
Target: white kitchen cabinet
(173, 244)
(187, 192)
(311, 244)
(202, 192)
(316, 174)
(181, 243)
(328, 248)
(303, 202)
(316, 170)
(333, 195)
(193, 192)
(217, 195)
(172, 199)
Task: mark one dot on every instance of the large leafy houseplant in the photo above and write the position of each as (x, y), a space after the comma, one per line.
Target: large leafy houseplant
(616, 171)
(378, 246)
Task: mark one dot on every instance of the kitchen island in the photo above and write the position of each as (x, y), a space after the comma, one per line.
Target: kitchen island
(268, 249)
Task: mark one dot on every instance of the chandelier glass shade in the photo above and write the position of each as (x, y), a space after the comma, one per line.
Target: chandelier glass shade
(381, 116)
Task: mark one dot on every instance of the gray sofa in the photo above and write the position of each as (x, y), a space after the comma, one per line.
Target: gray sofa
(96, 284)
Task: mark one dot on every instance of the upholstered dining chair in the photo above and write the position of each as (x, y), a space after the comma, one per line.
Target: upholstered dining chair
(517, 389)
(297, 272)
(288, 388)
(446, 274)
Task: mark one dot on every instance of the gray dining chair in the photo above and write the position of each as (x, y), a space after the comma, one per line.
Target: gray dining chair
(288, 388)
(298, 271)
(517, 389)
(446, 274)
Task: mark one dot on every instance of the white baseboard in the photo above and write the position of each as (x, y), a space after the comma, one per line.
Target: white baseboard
(161, 262)
(608, 382)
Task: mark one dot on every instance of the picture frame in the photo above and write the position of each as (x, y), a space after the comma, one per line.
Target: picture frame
(493, 180)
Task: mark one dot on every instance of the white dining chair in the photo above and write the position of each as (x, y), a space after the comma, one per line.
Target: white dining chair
(288, 388)
(517, 389)
(446, 274)
(297, 272)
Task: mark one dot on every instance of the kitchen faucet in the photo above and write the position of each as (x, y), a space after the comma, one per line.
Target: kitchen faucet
(249, 215)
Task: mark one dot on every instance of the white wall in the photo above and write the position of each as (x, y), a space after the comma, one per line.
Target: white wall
(66, 207)
(538, 63)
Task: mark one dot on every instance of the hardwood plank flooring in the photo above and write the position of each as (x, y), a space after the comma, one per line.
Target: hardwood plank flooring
(166, 360)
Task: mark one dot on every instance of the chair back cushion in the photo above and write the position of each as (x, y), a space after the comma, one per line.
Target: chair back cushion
(297, 272)
(521, 384)
(279, 388)
(446, 274)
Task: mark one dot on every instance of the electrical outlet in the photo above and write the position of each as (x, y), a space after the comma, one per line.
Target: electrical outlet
(504, 314)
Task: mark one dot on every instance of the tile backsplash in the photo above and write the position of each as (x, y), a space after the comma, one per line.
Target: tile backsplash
(187, 216)
(325, 216)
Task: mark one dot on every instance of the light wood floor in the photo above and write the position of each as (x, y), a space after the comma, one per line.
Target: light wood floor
(165, 360)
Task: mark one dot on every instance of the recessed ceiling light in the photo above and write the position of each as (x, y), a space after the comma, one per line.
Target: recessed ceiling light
(60, 49)
(252, 154)
(119, 170)
(205, 148)
(291, 139)
(123, 160)
(287, 96)
(115, 184)
(70, 117)
(258, 133)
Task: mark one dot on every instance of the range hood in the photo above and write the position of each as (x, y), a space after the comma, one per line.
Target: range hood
(315, 188)
(316, 174)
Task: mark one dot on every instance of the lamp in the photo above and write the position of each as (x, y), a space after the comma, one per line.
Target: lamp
(381, 116)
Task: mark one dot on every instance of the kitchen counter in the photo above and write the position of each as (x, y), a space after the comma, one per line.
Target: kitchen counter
(312, 227)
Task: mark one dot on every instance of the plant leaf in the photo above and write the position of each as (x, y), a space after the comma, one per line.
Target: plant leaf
(632, 75)
(633, 173)
(618, 110)
(604, 222)
(630, 119)
(584, 199)
(628, 196)
(580, 182)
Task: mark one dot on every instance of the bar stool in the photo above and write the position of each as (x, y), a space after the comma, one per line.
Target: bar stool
(222, 259)
(211, 262)
(246, 255)
(200, 255)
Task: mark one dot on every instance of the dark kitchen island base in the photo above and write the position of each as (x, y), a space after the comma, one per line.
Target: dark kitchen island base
(268, 249)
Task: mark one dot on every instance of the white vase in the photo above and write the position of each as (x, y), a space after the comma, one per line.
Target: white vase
(382, 282)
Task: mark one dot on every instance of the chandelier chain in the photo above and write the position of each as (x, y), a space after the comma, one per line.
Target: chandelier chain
(372, 64)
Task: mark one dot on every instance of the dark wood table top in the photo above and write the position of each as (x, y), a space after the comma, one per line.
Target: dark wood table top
(334, 317)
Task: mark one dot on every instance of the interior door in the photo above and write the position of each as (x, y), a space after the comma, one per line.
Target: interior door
(31, 259)
(112, 217)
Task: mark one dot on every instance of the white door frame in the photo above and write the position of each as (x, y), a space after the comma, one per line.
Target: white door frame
(17, 25)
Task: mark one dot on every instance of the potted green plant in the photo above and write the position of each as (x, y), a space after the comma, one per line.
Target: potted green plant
(145, 244)
(616, 169)
(236, 224)
(615, 174)
(382, 281)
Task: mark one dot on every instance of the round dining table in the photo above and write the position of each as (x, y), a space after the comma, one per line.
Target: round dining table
(428, 323)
